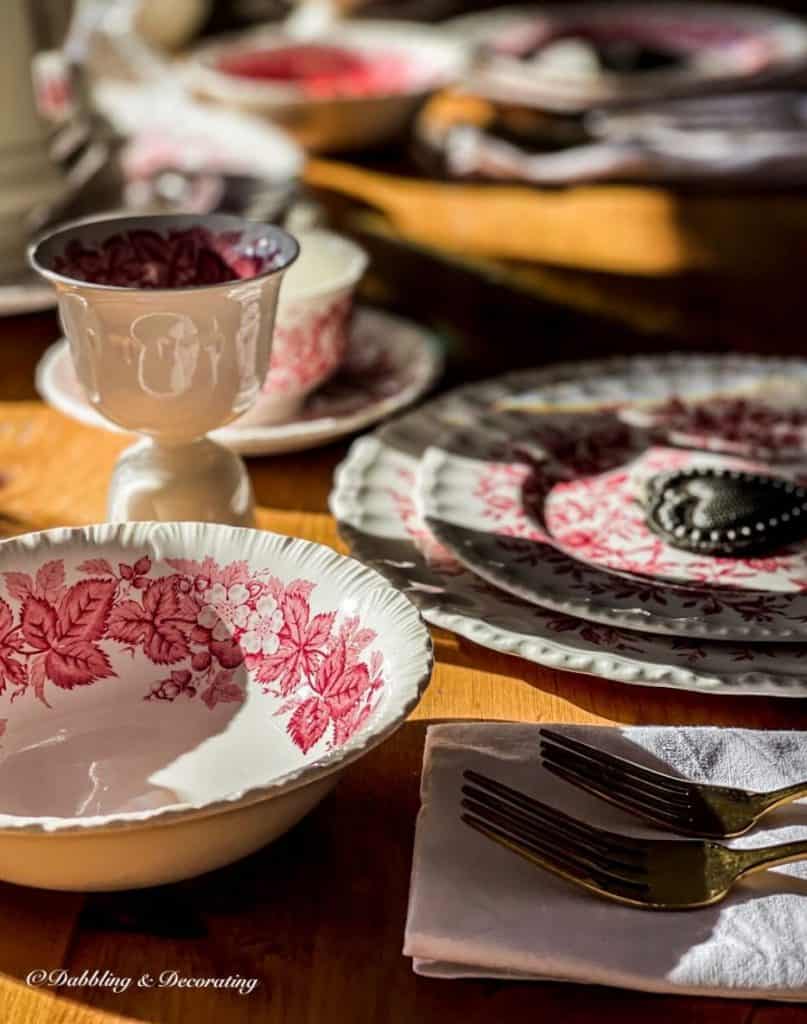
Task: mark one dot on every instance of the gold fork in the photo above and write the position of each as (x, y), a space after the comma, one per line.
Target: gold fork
(690, 808)
(654, 874)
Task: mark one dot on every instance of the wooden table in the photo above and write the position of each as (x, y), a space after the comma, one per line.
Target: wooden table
(317, 917)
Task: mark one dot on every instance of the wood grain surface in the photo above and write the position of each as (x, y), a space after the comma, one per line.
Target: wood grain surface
(317, 918)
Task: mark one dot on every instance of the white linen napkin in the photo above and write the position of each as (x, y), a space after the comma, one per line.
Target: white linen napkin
(478, 910)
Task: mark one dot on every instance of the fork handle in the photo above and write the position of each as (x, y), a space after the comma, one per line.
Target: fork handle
(785, 795)
(751, 861)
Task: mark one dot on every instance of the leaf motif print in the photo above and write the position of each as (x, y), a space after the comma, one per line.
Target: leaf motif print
(37, 677)
(346, 691)
(303, 643)
(19, 585)
(39, 624)
(67, 637)
(162, 624)
(96, 567)
(81, 663)
(223, 690)
(50, 580)
(308, 723)
(84, 611)
(12, 672)
(128, 623)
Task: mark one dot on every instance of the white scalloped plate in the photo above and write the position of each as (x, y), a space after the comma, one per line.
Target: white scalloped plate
(373, 503)
(390, 364)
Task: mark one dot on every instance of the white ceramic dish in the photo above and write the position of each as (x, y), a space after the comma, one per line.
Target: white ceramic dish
(373, 501)
(188, 691)
(390, 363)
(312, 326)
(345, 122)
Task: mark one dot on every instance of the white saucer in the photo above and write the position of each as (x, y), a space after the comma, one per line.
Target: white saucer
(391, 362)
(26, 293)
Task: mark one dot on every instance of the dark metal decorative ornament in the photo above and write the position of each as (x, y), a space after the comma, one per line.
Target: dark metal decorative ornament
(726, 513)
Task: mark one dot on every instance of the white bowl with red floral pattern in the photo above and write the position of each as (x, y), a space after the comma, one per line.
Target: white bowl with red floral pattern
(359, 86)
(175, 695)
(312, 324)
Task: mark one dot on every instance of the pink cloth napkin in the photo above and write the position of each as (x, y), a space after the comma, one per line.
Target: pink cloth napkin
(478, 910)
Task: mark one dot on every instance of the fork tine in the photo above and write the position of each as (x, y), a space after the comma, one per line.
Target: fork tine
(607, 783)
(611, 888)
(618, 764)
(609, 842)
(555, 842)
(586, 842)
(644, 809)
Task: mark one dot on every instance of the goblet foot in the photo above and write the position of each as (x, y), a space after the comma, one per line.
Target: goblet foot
(196, 482)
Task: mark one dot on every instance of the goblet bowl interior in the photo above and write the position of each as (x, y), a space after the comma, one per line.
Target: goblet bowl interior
(163, 252)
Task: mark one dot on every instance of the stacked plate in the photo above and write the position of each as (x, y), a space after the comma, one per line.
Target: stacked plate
(637, 518)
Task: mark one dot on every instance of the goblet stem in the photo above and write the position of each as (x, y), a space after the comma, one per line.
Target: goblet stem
(196, 481)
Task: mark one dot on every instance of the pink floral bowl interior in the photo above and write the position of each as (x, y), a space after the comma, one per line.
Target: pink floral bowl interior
(356, 61)
(358, 86)
(173, 252)
(312, 325)
(167, 674)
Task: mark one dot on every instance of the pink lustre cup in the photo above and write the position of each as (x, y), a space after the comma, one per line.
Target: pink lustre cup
(170, 322)
(313, 324)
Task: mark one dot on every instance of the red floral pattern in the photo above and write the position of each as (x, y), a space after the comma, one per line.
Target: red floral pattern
(179, 259)
(498, 493)
(306, 350)
(499, 489)
(600, 520)
(434, 553)
(737, 426)
(197, 624)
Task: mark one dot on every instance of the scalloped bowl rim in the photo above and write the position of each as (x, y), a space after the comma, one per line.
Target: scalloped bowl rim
(407, 684)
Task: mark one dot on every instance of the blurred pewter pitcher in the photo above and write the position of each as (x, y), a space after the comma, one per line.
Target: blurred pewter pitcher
(28, 176)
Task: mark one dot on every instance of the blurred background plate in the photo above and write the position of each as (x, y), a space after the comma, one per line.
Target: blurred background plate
(572, 57)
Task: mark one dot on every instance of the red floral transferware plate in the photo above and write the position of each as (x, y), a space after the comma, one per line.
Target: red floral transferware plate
(373, 501)
(475, 507)
(181, 665)
(390, 363)
(600, 519)
(474, 500)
